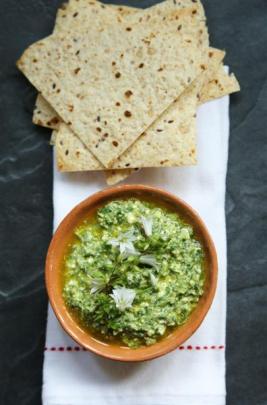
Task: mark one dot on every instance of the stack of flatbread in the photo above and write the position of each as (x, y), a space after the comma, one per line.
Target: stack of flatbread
(120, 86)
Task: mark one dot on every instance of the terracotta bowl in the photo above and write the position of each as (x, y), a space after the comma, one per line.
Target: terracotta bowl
(54, 264)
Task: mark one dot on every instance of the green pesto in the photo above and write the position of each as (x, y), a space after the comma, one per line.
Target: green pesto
(134, 272)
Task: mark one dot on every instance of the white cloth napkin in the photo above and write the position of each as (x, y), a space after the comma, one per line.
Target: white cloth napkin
(193, 374)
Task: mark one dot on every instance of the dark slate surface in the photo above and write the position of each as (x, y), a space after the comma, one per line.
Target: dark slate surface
(240, 26)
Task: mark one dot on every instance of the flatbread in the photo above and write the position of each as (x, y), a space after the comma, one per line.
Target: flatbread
(124, 86)
(76, 13)
(171, 141)
(44, 114)
(79, 157)
(221, 84)
(50, 119)
(115, 176)
(230, 85)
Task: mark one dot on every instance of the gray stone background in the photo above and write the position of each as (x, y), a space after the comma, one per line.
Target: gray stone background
(240, 27)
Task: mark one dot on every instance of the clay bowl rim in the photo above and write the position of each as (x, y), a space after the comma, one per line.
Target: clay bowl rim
(53, 270)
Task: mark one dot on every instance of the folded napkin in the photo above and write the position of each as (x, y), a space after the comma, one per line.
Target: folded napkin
(194, 374)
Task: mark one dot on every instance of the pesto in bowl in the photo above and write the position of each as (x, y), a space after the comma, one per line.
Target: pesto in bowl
(134, 272)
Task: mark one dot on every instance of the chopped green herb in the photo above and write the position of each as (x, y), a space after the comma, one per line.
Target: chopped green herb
(134, 272)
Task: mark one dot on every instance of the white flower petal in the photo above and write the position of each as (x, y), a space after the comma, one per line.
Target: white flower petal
(128, 249)
(150, 260)
(147, 223)
(125, 243)
(153, 279)
(97, 285)
(123, 297)
(113, 242)
(94, 290)
(129, 235)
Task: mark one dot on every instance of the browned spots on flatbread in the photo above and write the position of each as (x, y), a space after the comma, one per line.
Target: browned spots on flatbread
(128, 29)
(118, 103)
(127, 114)
(146, 41)
(141, 66)
(54, 120)
(115, 143)
(117, 75)
(77, 70)
(128, 93)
